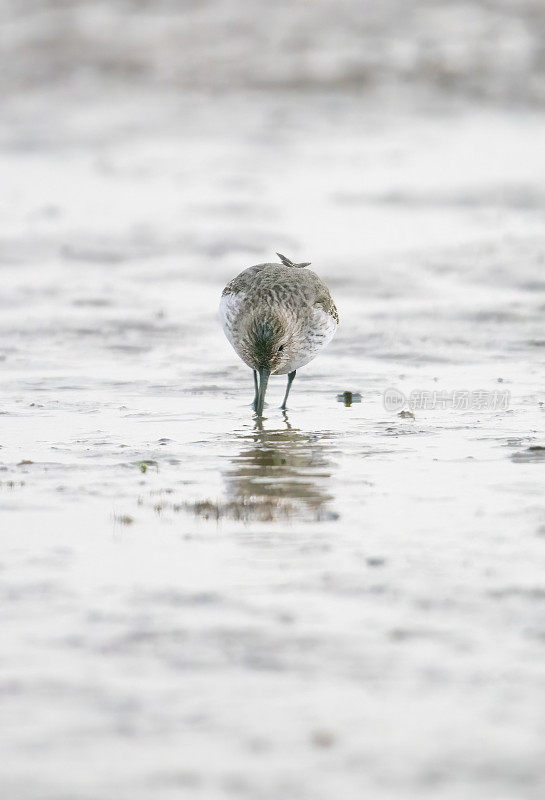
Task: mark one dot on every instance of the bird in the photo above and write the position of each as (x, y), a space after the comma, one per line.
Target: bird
(277, 317)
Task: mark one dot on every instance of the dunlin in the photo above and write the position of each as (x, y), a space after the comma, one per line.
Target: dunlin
(277, 317)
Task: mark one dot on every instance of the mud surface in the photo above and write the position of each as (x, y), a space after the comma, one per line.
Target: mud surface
(345, 601)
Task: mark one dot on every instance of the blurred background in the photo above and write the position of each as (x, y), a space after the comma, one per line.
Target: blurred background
(474, 50)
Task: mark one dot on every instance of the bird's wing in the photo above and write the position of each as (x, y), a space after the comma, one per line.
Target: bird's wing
(324, 302)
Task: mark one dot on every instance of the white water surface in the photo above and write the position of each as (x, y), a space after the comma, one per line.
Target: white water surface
(340, 602)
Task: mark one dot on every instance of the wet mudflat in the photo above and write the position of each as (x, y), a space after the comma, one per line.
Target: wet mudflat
(342, 601)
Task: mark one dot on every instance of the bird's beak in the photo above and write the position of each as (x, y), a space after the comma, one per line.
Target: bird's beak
(263, 381)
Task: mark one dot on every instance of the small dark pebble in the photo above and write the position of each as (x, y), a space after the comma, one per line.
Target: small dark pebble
(124, 519)
(348, 398)
(323, 739)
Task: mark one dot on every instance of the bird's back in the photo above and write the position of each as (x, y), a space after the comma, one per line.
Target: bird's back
(275, 284)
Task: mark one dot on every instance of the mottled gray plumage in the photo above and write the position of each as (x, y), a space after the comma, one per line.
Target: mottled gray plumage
(277, 317)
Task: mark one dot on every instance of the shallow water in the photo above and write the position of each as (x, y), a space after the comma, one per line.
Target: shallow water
(341, 601)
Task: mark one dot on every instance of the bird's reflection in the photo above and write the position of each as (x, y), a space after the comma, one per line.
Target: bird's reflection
(280, 473)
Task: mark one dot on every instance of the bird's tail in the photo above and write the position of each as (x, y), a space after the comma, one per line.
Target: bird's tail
(288, 263)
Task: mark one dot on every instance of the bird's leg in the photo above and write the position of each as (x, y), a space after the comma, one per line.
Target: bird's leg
(291, 376)
(254, 404)
(264, 374)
